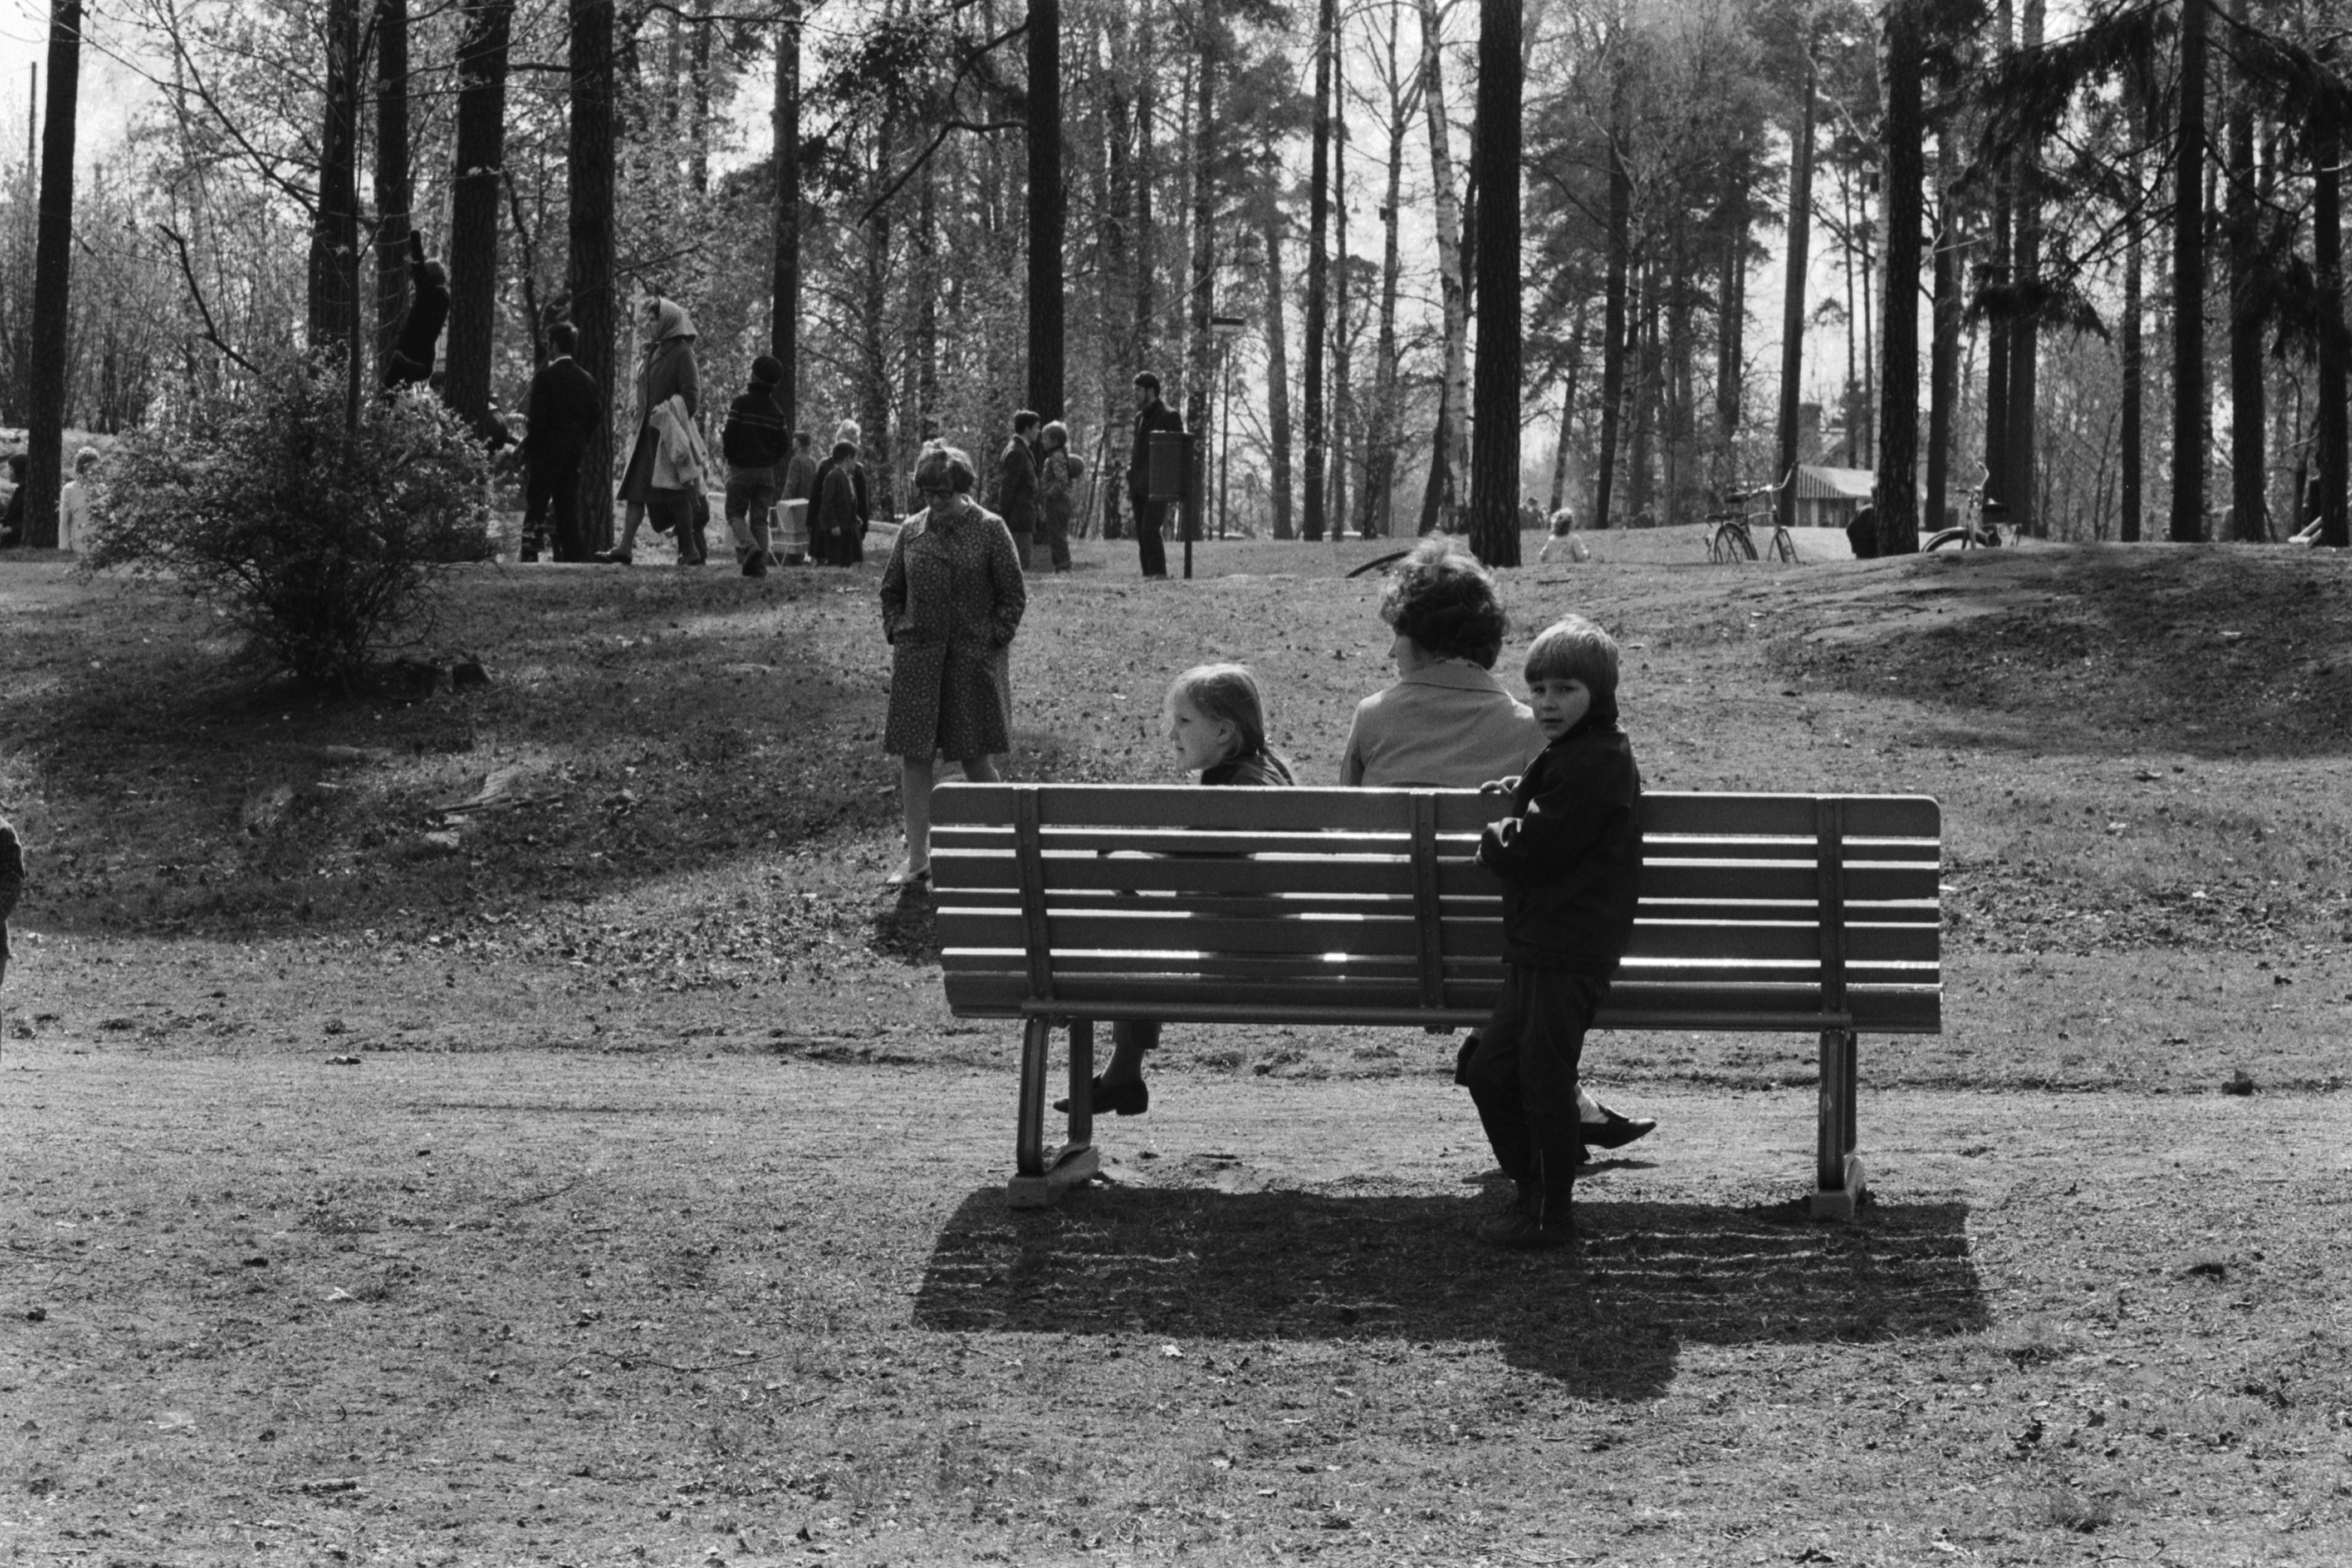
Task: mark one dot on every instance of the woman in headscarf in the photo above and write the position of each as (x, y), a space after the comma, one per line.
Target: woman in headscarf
(663, 476)
(951, 600)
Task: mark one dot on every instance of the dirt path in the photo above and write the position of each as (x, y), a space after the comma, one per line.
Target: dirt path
(567, 1308)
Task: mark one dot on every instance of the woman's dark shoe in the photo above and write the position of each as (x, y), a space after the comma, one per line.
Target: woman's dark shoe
(1614, 1132)
(1132, 1097)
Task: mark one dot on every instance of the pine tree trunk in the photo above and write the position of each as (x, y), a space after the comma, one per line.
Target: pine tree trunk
(1454, 400)
(2019, 452)
(2187, 524)
(1343, 393)
(2327, 258)
(1641, 352)
(1146, 241)
(1047, 208)
(1318, 282)
(52, 285)
(699, 168)
(473, 206)
(1731, 321)
(1944, 354)
(1202, 344)
(1495, 394)
(1277, 362)
(1379, 458)
(2133, 363)
(1792, 312)
(589, 276)
(1612, 314)
(334, 228)
(1902, 69)
(392, 176)
(784, 257)
(2249, 503)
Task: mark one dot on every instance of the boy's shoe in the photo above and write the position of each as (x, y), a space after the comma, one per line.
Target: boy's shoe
(528, 552)
(1519, 1230)
(1614, 1132)
(1132, 1097)
(614, 557)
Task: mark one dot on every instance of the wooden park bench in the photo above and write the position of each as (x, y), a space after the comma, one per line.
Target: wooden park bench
(1065, 905)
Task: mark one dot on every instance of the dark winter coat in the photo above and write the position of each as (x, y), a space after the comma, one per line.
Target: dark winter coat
(1154, 416)
(1569, 853)
(1016, 486)
(565, 406)
(754, 435)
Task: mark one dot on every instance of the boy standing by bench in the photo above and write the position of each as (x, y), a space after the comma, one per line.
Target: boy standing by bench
(1569, 857)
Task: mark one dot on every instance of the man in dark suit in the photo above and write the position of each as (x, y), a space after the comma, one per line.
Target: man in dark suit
(1016, 484)
(565, 405)
(1151, 516)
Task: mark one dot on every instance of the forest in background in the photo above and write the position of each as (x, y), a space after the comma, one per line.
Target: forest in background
(966, 207)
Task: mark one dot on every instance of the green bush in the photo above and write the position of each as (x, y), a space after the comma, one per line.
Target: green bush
(323, 539)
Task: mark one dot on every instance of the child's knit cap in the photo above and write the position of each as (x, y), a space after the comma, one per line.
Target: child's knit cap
(768, 370)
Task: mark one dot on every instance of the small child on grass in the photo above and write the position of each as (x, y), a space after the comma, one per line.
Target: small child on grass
(12, 883)
(1569, 856)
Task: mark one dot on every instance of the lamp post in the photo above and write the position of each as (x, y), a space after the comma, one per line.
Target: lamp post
(1225, 328)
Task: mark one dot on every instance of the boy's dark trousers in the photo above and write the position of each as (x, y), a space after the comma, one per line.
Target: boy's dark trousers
(1521, 1074)
(1151, 519)
(553, 487)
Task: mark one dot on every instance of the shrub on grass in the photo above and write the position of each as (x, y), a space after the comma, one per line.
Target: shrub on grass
(323, 538)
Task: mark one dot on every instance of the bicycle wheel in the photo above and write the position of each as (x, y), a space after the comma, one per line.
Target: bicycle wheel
(1783, 547)
(1942, 537)
(1747, 541)
(1721, 548)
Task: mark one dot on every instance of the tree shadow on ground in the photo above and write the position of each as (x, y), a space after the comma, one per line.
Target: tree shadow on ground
(1202, 1264)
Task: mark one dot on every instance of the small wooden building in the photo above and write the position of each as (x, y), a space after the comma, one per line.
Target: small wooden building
(1828, 497)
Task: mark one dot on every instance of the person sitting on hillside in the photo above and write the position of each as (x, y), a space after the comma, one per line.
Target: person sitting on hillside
(1563, 539)
(1863, 533)
(12, 520)
(410, 364)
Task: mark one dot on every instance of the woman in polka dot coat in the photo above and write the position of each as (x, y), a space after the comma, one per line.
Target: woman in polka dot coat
(951, 600)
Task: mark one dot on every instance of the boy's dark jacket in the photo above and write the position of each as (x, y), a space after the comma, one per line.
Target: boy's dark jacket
(1570, 854)
(754, 435)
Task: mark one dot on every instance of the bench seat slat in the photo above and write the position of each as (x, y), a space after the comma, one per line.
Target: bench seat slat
(1867, 817)
(1699, 1008)
(1256, 906)
(1454, 851)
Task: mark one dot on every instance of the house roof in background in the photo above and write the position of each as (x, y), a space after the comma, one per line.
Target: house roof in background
(1815, 482)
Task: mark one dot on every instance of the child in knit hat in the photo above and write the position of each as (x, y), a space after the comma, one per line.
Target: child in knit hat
(755, 442)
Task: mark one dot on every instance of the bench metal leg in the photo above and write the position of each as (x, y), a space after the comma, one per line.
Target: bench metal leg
(1041, 1177)
(1838, 1175)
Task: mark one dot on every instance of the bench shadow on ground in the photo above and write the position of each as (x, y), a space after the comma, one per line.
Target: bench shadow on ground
(1197, 1263)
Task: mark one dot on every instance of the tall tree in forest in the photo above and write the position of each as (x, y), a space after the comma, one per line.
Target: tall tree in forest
(392, 218)
(1943, 351)
(2335, 346)
(1494, 394)
(1996, 276)
(1902, 69)
(1342, 402)
(52, 282)
(1385, 433)
(1144, 243)
(1201, 355)
(2249, 498)
(1047, 206)
(1613, 306)
(589, 171)
(1277, 358)
(475, 179)
(1451, 461)
(1318, 267)
(2188, 283)
(333, 301)
(1792, 311)
(783, 326)
(2019, 449)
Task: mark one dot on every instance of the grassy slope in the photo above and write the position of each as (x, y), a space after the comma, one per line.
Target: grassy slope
(2148, 868)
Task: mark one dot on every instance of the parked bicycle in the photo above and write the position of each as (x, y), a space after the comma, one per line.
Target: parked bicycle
(1984, 525)
(1733, 538)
